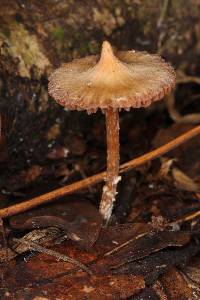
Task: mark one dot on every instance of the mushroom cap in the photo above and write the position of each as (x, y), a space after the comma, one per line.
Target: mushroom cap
(121, 80)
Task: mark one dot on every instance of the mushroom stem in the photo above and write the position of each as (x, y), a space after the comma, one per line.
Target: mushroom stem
(112, 178)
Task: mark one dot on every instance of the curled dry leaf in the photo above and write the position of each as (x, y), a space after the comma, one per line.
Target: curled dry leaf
(180, 179)
(187, 155)
(166, 166)
(184, 182)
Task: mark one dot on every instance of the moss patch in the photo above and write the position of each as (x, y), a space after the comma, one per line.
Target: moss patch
(24, 47)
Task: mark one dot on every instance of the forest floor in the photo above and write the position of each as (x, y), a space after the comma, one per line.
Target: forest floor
(150, 248)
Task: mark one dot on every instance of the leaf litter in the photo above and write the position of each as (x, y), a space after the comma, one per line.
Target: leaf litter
(74, 257)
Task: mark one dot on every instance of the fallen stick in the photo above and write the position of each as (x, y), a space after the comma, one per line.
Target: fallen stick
(189, 217)
(76, 186)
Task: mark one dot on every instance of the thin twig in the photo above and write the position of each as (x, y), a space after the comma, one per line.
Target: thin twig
(74, 187)
(183, 78)
(188, 217)
(34, 246)
(176, 116)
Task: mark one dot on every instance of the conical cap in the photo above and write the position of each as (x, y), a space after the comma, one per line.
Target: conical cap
(121, 80)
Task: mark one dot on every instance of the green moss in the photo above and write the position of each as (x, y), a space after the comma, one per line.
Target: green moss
(84, 49)
(93, 47)
(23, 46)
(6, 32)
(78, 36)
(58, 34)
(82, 42)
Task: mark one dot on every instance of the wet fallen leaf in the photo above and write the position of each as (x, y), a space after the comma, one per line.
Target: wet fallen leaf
(158, 288)
(152, 266)
(148, 293)
(175, 285)
(134, 254)
(101, 287)
(191, 274)
(78, 218)
(143, 245)
(116, 237)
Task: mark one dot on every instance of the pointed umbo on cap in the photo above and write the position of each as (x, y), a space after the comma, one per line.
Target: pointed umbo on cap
(122, 80)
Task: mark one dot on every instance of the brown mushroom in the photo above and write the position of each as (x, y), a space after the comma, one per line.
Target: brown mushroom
(111, 82)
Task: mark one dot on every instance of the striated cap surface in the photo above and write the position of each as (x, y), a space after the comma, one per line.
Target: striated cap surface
(121, 80)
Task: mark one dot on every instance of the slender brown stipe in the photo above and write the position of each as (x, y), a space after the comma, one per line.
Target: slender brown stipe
(112, 177)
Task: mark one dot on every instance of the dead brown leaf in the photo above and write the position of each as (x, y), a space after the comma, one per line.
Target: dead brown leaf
(175, 285)
(79, 219)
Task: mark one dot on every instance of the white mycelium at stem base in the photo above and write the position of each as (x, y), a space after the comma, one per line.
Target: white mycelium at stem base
(112, 178)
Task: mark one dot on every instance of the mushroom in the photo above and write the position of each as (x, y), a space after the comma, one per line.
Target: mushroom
(111, 82)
